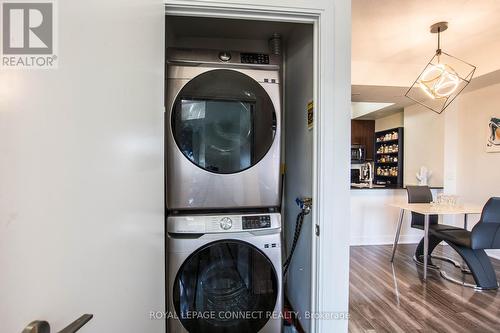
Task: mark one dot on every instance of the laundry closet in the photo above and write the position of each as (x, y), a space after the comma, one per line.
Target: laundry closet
(239, 170)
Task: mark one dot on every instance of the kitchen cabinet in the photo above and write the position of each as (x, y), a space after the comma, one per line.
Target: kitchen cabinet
(363, 133)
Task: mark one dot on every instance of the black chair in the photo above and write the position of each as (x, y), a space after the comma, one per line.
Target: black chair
(420, 194)
(470, 245)
(423, 194)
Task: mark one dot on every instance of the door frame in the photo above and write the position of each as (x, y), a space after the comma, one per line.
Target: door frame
(331, 204)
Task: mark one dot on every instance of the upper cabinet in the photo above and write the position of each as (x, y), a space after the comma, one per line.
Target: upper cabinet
(363, 133)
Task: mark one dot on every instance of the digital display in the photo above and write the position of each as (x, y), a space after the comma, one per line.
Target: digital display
(254, 58)
(256, 222)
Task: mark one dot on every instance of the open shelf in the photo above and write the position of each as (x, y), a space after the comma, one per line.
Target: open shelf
(398, 166)
(391, 153)
(386, 141)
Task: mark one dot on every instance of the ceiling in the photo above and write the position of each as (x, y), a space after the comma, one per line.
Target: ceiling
(391, 43)
(363, 109)
(379, 94)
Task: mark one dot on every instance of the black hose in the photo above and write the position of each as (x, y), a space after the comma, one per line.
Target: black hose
(298, 227)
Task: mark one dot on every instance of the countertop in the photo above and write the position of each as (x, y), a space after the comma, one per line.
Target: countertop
(391, 187)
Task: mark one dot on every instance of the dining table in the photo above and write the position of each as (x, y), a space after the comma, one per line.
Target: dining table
(428, 209)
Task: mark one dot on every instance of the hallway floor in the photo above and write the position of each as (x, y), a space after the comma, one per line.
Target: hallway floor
(387, 298)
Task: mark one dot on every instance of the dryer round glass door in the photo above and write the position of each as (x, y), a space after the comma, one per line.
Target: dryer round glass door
(225, 286)
(223, 121)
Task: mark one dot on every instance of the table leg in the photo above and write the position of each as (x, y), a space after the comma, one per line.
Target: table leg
(398, 230)
(464, 267)
(426, 244)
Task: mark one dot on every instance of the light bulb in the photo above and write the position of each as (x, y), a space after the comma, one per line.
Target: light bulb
(439, 81)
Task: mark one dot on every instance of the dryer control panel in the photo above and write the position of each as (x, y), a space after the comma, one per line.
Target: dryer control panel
(222, 58)
(256, 222)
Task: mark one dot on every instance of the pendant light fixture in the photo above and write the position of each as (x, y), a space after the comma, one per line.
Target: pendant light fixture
(442, 79)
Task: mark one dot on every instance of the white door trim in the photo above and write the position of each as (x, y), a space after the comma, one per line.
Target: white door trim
(330, 252)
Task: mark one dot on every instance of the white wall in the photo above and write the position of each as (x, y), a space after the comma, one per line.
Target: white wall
(299, 164)
(392, 121)
(451, 140)
(477, 172)
(423, 144)
(81, 174)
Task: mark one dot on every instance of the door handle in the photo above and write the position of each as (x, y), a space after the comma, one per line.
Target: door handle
(42, 326)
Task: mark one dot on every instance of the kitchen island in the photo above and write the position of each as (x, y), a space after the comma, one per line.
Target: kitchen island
(373, 222)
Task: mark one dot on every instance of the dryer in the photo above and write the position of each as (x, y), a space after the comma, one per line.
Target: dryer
(223, 116)
(224, 273)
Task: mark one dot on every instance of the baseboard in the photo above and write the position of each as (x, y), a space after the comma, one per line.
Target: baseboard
(385, 240)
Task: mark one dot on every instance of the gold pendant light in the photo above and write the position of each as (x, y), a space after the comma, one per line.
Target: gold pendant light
(442, 79)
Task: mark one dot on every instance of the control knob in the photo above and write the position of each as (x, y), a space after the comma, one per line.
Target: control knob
(226, 223)
(225, 56)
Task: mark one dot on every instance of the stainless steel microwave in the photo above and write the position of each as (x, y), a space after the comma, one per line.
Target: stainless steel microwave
(358, 154)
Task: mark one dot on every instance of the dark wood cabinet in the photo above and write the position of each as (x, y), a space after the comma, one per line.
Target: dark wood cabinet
(363, 133)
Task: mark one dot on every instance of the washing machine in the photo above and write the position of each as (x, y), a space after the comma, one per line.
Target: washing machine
(223, 116)
(224, 273)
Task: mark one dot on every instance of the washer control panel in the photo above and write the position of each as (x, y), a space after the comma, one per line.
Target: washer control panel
(256, 222)
(223, 223)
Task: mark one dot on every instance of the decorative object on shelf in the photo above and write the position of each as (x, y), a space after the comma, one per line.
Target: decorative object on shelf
(423, 176)
(388, 149)
(493, 143)
(387, 171)
(442, 79)
(388, 137)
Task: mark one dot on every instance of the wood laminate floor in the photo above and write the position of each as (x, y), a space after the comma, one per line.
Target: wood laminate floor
(393, 298)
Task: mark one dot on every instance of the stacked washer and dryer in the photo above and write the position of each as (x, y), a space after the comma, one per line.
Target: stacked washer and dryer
(223, 191)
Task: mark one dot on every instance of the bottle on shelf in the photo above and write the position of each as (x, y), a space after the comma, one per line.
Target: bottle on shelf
(387, 149)
(387, 171)
(388, 137)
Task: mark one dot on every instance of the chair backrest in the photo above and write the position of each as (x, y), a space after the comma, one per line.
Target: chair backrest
(491, 211)
(486, 233)
(420, 194)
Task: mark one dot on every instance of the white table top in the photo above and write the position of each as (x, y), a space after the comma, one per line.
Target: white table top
(428, 209)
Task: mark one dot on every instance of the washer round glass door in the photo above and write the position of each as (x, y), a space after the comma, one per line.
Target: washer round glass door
(225, 286)
(223, 121)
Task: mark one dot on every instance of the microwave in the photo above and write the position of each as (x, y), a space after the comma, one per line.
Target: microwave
(358, 154)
